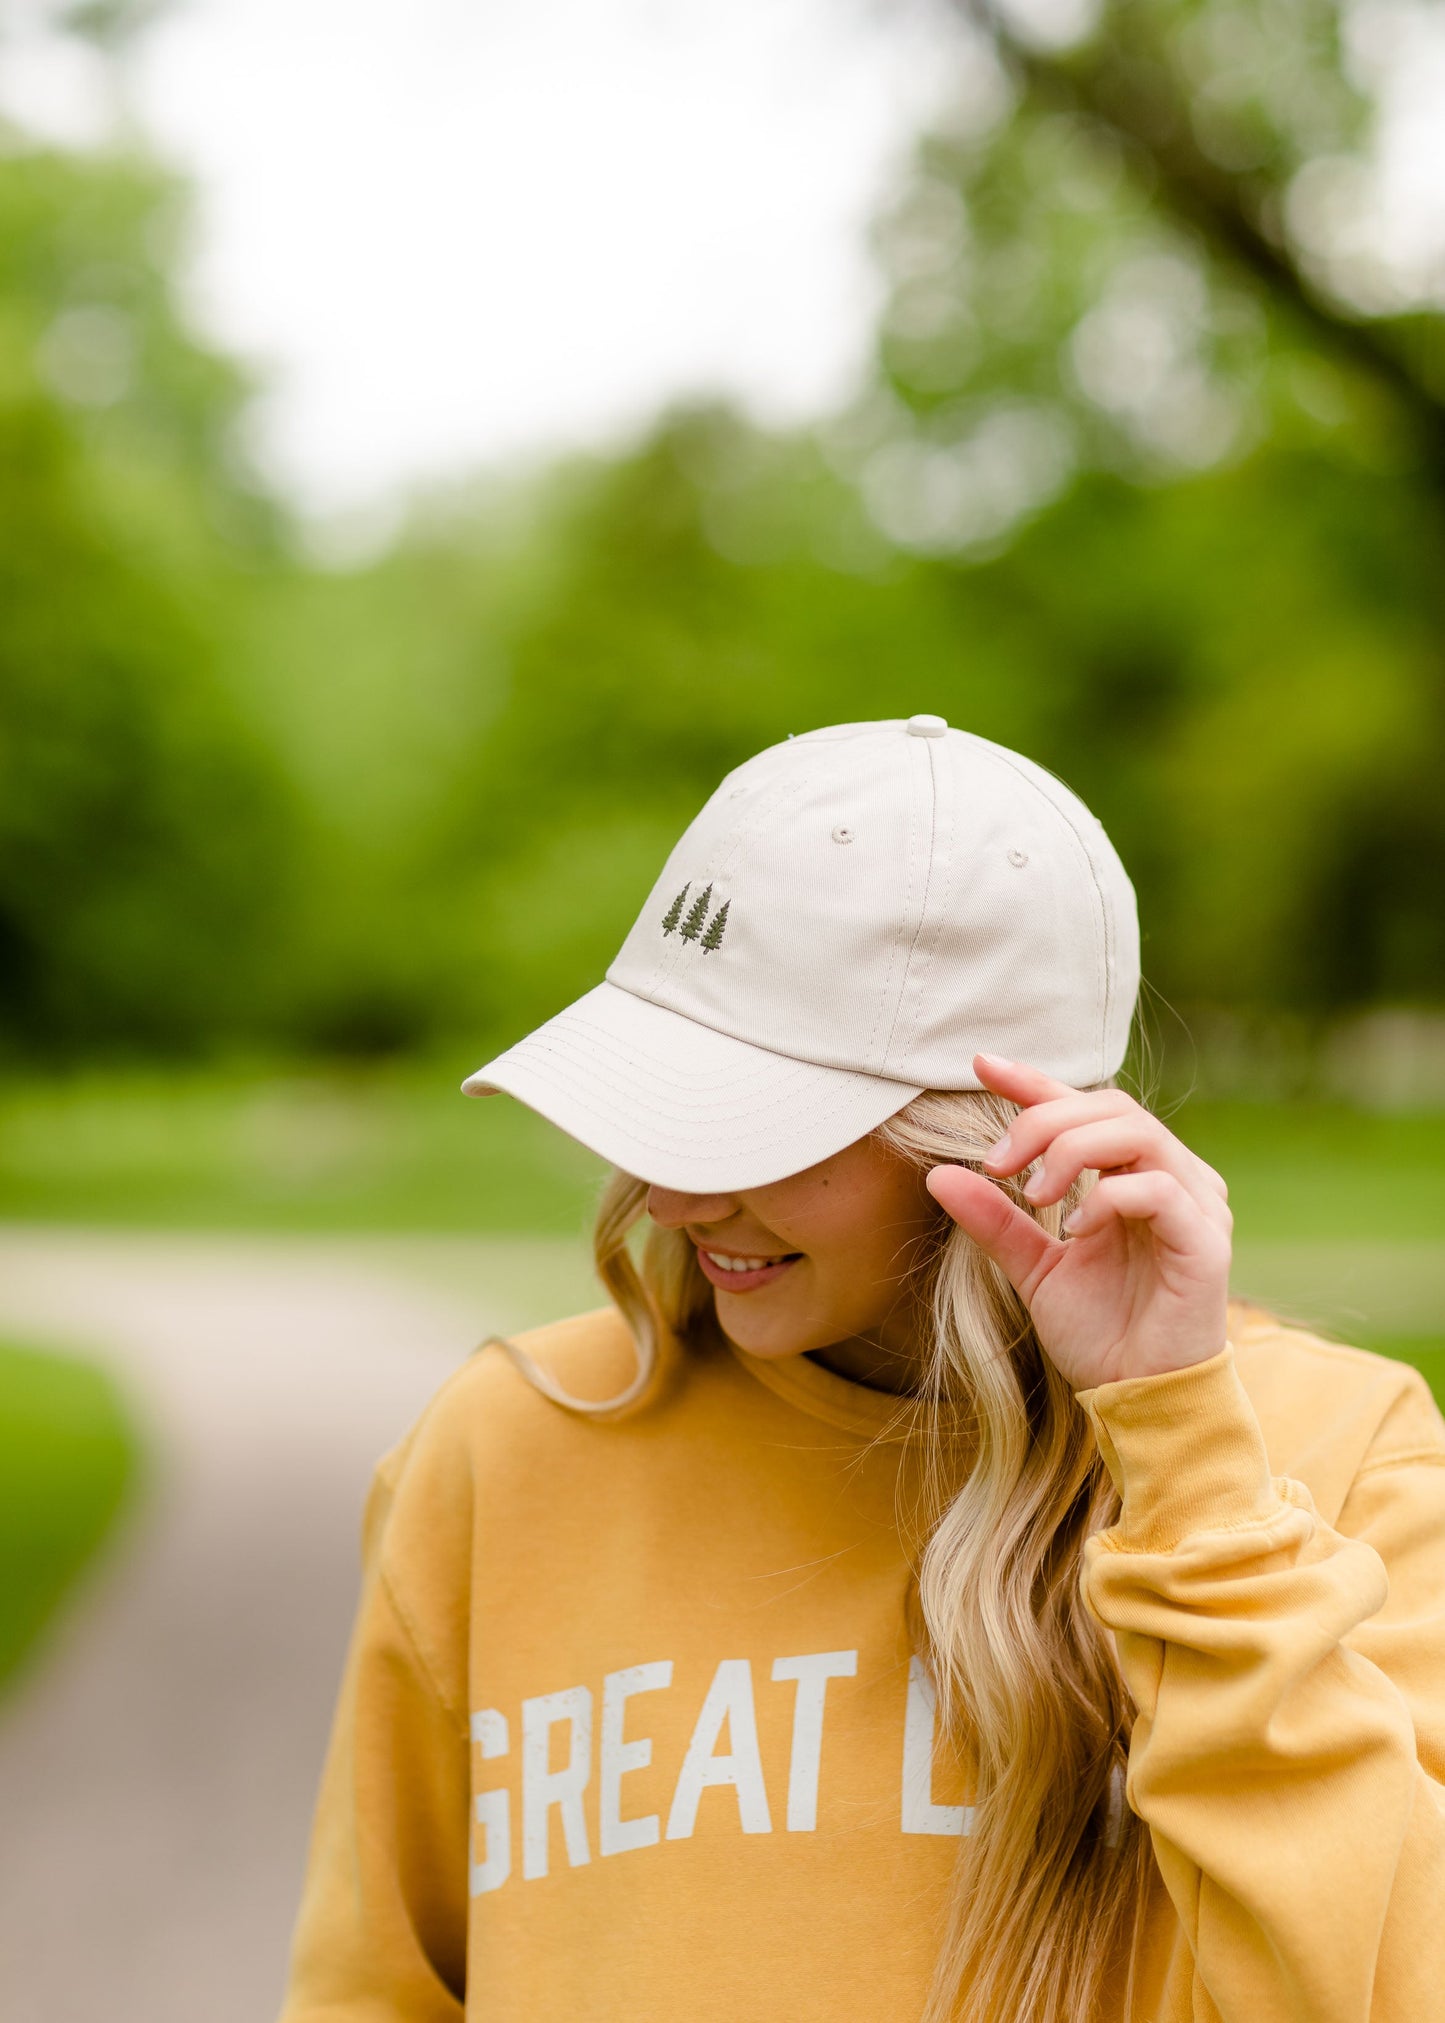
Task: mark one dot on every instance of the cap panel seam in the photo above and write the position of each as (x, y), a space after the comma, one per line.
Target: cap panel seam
(1103, 950)
(874, 1052)
(671, 959)
(925, 951)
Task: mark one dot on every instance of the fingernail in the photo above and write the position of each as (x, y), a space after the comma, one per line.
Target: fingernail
(996, 1155)
(994, 1060)
(1071, 1222)
(1035, 1187)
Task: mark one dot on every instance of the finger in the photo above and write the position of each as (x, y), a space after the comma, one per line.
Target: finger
(1033, 1131)
(1018, 1246)
(1018, 1080)
(1172, 1213)
(1215, 1182)
(1134, 1142)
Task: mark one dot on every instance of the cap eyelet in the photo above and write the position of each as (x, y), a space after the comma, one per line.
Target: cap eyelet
(843, 834)
(1018, 858)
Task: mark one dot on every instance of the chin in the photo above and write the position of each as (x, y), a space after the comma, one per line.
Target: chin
(758, 1335)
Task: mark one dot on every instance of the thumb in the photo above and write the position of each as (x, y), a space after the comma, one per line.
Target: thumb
(1012, 1239)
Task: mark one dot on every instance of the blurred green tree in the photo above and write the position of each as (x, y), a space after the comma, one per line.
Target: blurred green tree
(1132, 256)
(144, 821)
(1148, 483)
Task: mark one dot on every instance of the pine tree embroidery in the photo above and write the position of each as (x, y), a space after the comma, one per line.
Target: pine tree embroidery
(713, 937)
(697, 914)
(674, 912)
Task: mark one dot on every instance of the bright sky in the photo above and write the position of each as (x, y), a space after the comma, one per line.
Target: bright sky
(454, 232)
(463, 230)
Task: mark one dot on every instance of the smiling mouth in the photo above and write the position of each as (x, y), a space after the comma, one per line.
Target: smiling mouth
(740, 1274)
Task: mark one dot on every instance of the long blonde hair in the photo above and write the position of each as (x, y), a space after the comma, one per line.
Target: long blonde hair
(1053, 1876)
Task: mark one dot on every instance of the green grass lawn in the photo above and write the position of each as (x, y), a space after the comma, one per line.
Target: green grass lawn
(1322, 1172)
(68, 1459)
(1339, 1213)
(315, 1150)
(399, 1148)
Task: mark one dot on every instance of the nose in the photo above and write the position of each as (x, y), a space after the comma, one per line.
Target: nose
(671, 1208)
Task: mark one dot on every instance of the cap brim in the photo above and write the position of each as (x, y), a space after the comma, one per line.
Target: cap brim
(679, 1104)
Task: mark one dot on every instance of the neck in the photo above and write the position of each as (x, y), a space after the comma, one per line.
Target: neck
(880, 1362)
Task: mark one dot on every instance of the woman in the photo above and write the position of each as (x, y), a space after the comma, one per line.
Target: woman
(921, 1593)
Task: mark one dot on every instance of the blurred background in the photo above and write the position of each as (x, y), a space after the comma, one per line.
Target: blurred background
(436, 442)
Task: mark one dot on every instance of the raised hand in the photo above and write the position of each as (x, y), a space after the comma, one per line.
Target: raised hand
(1140, 1281)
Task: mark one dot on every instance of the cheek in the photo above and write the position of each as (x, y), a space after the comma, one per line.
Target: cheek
(868, 1248)
(858, 1235)
(853, 1282)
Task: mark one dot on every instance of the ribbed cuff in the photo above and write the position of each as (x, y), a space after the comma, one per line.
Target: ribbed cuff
(1185, 1450)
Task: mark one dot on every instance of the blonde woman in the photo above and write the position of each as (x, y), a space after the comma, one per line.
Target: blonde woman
(920, 1593)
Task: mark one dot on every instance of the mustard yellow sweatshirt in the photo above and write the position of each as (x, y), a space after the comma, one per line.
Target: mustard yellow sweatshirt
(631, 1730)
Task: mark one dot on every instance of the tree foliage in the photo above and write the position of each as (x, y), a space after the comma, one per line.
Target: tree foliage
(144, 827)
(1148, 481)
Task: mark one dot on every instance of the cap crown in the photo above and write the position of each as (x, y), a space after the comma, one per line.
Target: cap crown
(893, 898)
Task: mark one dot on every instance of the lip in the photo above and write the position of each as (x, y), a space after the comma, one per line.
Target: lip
(741, 1281)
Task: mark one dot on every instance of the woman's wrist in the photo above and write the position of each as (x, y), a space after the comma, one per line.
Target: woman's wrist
(1148, 1362)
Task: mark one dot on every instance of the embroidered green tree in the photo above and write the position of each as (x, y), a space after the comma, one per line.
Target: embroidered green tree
(715, 926)
(696, 915)
(674, 912)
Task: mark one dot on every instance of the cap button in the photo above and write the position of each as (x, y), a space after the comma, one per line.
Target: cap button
(926, 726)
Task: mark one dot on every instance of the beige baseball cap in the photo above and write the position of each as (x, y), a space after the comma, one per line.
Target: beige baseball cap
(852, 916)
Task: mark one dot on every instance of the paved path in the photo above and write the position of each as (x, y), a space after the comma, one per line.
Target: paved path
(158, 1766)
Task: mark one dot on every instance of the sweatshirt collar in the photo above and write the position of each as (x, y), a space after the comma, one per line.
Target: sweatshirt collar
(822, 1394)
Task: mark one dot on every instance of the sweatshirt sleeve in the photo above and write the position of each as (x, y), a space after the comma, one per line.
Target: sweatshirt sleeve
(1289, 1680)
(381, 1933)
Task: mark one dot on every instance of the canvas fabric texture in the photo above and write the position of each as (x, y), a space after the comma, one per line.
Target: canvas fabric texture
(632, 1727)
(851, 917)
